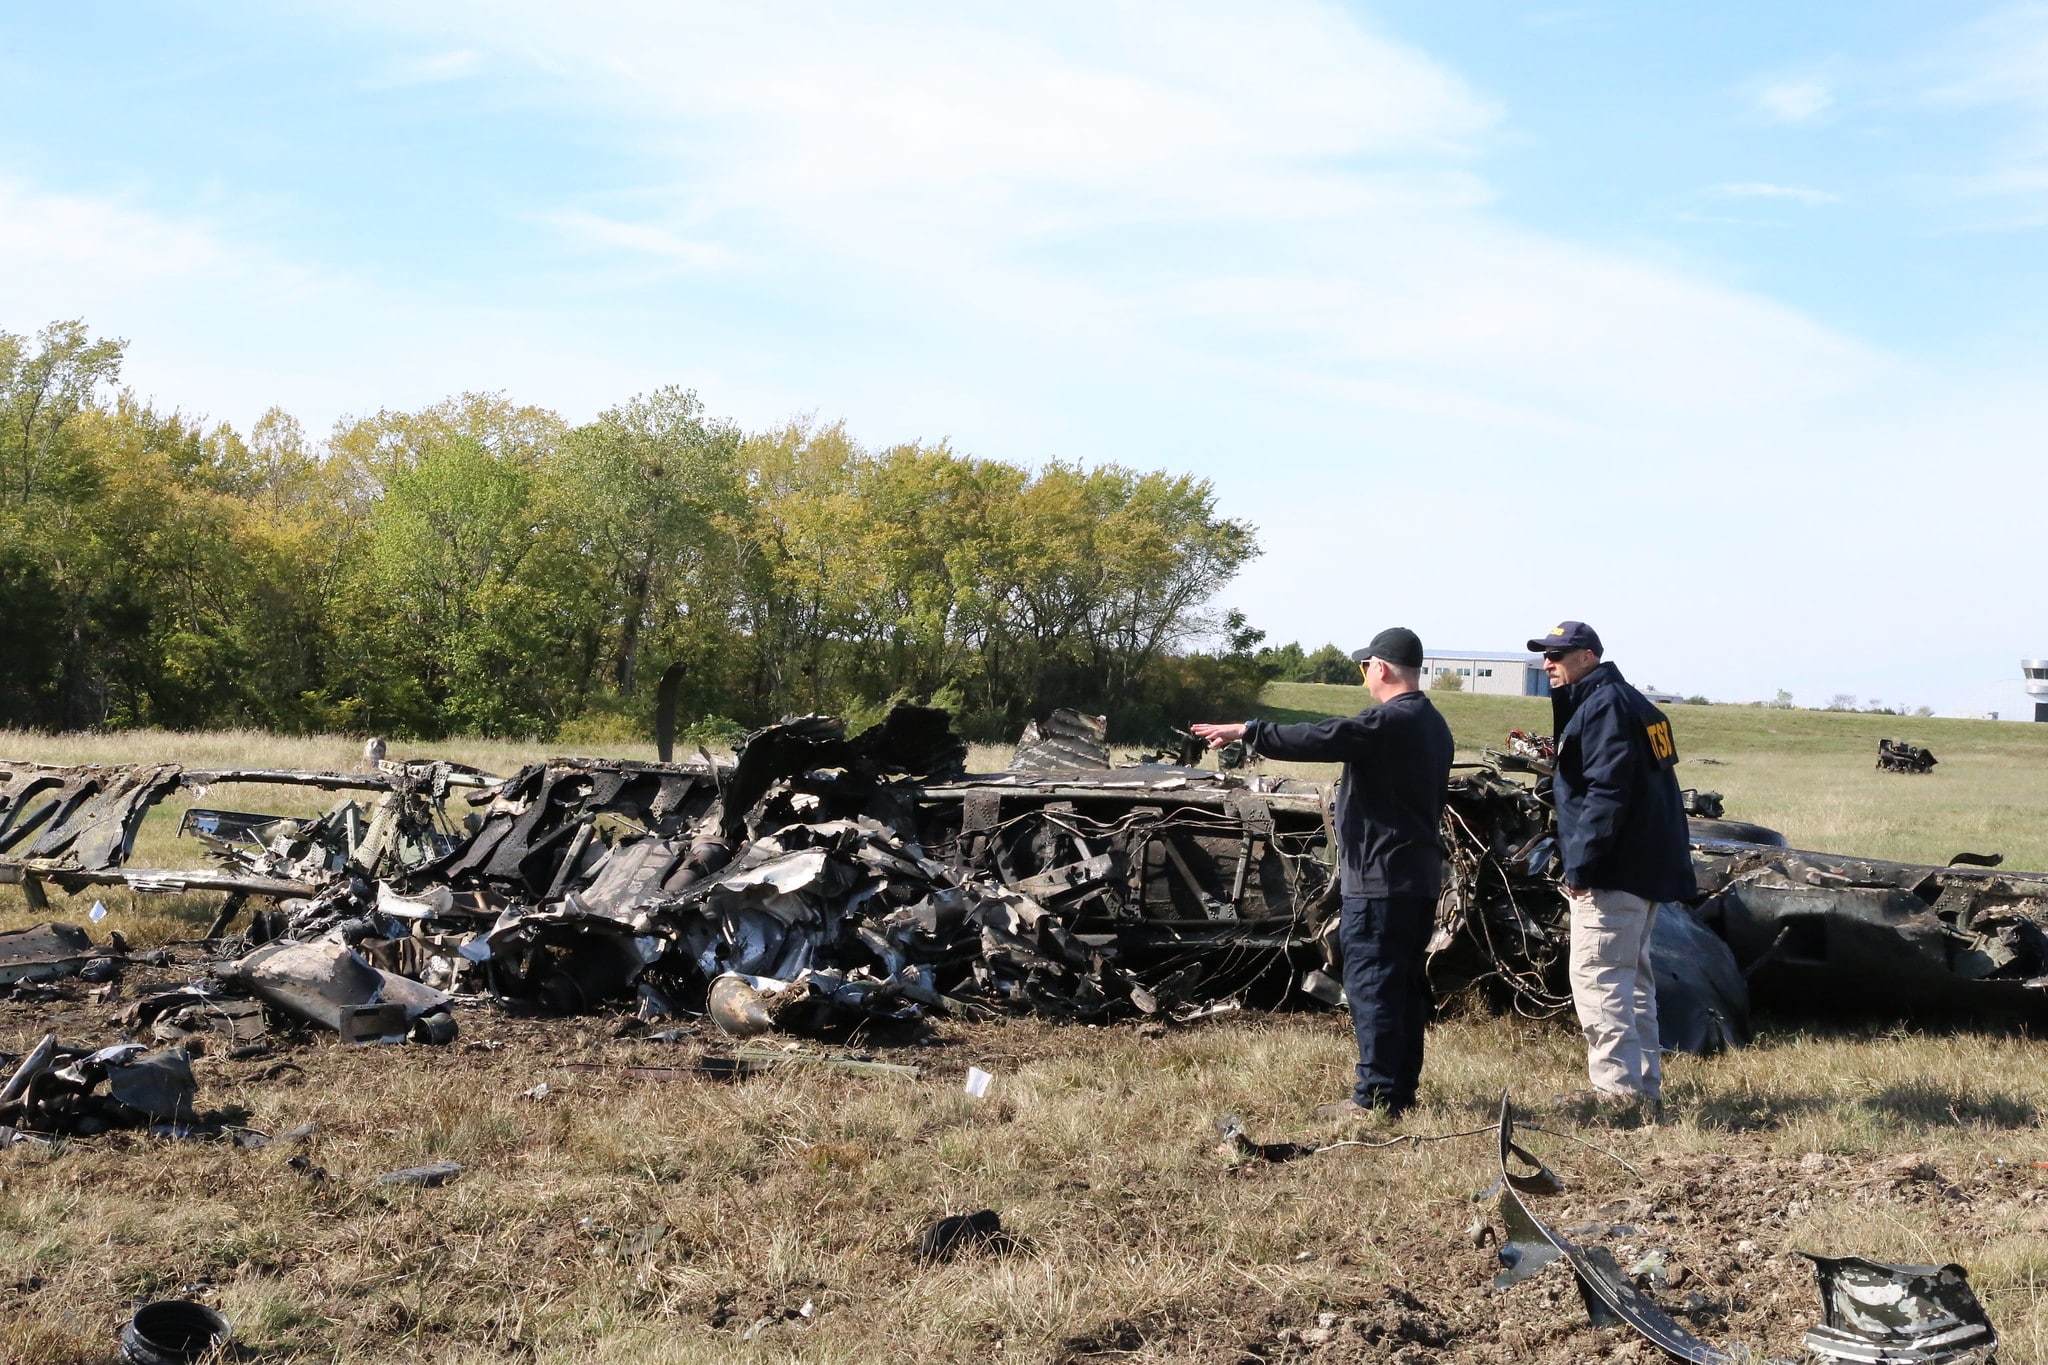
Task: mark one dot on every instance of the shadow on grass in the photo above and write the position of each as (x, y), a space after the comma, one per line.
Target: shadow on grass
(1753, 1111)
(1941, 1107)
(1910, 1105)
(1778, 1028)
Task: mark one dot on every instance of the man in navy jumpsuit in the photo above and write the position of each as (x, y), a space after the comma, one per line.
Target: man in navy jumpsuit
(1397, 758)
(1622, 834)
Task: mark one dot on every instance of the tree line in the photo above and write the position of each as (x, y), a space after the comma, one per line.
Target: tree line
(484, 567)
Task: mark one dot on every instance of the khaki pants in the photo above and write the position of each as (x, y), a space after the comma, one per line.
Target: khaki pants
(1615, 992)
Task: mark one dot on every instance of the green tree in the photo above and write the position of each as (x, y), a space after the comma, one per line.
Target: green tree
(638, 508)
(455, 640)
(41, 393)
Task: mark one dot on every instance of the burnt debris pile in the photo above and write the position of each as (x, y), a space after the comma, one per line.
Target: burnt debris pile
(820, 879)
(824, 879)
(1897, 756)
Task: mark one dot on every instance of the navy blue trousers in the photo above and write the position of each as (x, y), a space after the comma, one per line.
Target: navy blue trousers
(1384, 941)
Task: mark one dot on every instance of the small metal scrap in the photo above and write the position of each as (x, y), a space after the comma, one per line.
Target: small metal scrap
(1236, 1144)
(1066, 740)
(328, 984)
(1898, 1314)
(1611, 1300)
(430, 1176)
(159, 1084)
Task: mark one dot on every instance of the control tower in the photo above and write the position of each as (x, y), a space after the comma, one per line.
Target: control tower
(2037, 685)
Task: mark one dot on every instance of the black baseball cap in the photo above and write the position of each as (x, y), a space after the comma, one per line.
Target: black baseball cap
(1569, 635)
(1397, 645)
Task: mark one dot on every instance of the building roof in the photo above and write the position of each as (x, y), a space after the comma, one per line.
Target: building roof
(1491, 656)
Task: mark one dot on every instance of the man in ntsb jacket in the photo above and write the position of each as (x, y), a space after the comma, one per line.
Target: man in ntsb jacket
(1621, 832)
(1397, 758)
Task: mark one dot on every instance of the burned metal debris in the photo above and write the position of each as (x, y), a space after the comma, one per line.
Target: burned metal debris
(1610, 1296)
(823, 879)
(1503, 925)
(1067, 740)
(56, 1088)
(1814, 928)
(1897, 756)
(45, 952)
(1871, 1312)
(949, 1236)
(1909, 1314)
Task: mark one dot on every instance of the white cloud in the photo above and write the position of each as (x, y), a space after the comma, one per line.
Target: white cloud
(116, 244)
(644, 238)
(1290, 198)
(2001, 62)
(1761, 189)
(1795, 101)
(432, 68)
(1260, 247)
(2001, 59)
(221, 323)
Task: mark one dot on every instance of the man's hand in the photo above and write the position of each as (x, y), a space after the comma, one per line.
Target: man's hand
(1218, 735)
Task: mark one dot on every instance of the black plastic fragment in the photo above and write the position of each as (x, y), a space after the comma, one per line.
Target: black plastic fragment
(172, 1332)
(949, 1236)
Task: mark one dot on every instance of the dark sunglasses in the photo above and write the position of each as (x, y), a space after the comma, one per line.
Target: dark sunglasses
(1555, 655)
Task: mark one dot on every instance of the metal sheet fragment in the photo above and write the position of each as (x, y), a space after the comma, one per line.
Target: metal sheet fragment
(1609, 1295)
(1064, 741)
(1898, 1314)
(44, 952)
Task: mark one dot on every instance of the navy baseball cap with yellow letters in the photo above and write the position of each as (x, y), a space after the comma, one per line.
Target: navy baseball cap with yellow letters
(1569, 635)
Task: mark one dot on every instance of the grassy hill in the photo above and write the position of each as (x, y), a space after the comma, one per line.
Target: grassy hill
(1811, 774)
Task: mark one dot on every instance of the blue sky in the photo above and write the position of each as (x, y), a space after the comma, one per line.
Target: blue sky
(1719, 326)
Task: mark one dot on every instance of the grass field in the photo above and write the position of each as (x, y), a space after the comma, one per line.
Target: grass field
(620, 1219)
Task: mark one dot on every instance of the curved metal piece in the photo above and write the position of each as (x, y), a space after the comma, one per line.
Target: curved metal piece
(1898, 1314)
(739, 1010)
(1610, 1297)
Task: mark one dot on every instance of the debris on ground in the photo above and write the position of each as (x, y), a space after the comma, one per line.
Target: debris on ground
(433, 1175)
(1897, 756)
(949, 1236)
(174, 1332)
(1871, 1311)
(823, 881)
(57, 1088)
(1910, 1313)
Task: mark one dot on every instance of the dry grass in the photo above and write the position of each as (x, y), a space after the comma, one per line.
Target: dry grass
(1137, 1241)
(1095, 1147)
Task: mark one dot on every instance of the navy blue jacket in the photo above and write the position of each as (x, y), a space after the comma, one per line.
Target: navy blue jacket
(1620, 819)
(1397, 758)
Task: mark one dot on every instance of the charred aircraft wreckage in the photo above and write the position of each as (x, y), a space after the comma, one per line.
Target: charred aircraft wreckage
(823, 880)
